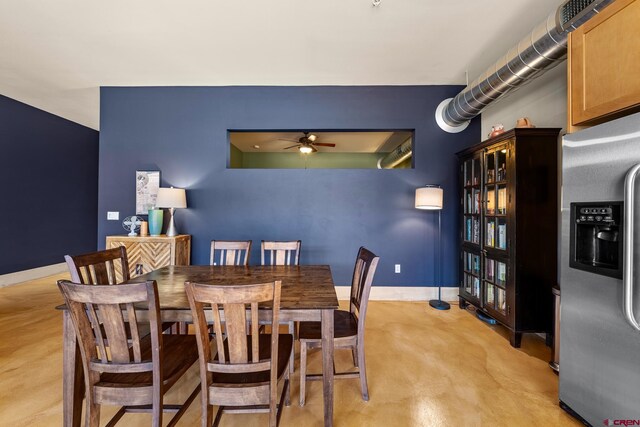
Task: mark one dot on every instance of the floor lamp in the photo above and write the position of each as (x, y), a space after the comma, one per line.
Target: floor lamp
(430, 197)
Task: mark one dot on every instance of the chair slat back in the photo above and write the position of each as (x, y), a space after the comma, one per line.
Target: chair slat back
(102, 267)
(230, 252)
(363, 273)
(100, 323)
(236, 308)
(280, 253)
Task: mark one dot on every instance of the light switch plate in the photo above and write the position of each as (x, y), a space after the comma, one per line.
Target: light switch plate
(113, 216)
(397, 270)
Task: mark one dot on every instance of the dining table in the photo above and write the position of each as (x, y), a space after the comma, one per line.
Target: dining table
(308, 294)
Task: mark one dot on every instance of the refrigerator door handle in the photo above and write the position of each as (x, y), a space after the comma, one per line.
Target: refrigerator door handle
(627, 277)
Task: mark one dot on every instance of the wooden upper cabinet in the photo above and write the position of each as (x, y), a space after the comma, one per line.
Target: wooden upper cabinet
(604, 65)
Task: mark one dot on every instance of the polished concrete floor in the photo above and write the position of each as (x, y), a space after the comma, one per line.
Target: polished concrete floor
(426, 368)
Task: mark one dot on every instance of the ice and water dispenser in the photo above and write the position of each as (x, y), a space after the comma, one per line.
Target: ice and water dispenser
(596, 237)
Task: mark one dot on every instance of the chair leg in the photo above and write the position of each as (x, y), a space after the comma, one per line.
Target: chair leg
(92, 414)
(354, 355)
(284, 400)
(206, 416)
(303, 371)
(273, 411)
(216, 422)
(292, 358)
(287, 385)
(156, 412)
(363, 371)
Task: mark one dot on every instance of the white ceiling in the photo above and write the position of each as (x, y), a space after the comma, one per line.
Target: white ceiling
(346, 142)
(55, 55)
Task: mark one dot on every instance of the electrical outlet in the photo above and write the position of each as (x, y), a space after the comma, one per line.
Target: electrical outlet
(397, 268)
(113, 216)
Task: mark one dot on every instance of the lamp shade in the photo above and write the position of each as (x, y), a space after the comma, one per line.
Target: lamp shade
(429, 197)
(171, 198)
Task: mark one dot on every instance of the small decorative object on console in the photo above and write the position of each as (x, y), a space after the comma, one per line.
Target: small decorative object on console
(132, 224)
(496, 130)
(144, 228)
(155, 221)
(524, 122)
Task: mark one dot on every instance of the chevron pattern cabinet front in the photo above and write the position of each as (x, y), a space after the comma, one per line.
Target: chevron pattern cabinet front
(146, 254)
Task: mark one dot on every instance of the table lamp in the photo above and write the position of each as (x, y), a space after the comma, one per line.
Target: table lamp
(430, 197)
(172, 198)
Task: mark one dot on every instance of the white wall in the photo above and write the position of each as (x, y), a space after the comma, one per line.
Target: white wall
(544, 101)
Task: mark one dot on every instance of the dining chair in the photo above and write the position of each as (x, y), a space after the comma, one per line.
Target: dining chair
(133, 372)
(244, 372)
(348, 326)
(107, 267)
(230, 252)
(282, 253)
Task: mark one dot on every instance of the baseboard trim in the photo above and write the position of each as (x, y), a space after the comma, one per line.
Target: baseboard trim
(32, 274)
(402, 293)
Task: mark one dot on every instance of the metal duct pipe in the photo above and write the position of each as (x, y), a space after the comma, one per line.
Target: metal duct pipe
(544, 48)
(401, 153)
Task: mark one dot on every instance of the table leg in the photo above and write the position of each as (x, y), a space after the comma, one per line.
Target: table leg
(72, 375)
(327, 365)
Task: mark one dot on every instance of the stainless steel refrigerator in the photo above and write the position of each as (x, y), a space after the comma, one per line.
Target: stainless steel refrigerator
(600, 272)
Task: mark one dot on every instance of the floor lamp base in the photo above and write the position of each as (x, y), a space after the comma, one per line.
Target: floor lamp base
(439, 304)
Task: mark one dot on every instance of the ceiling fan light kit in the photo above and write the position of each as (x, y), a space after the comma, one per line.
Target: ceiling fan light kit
(305, 149)
(306, 144)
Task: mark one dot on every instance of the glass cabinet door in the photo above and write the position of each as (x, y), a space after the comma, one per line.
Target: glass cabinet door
(471, 274)
(472, 172)
(495, 280)
(496, 198)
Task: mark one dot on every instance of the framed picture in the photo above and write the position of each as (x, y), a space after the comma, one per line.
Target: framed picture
(147, 184)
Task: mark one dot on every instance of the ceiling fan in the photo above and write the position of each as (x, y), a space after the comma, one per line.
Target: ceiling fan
(306, 144)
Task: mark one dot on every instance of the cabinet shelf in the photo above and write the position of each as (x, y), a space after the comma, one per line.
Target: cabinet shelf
(509, 275)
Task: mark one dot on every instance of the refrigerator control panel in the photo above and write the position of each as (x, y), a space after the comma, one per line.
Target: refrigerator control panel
(595, 215)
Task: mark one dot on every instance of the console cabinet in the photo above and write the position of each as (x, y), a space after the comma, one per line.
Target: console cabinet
(146, 254)
(509, 228)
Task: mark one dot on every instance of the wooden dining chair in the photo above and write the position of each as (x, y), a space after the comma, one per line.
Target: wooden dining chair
(282, 253)
(133, 372)
(348, 326)
(107, 267)
(244, 373)
(230, 252)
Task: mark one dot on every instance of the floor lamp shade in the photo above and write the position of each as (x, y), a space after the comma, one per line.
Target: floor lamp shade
(429, 197)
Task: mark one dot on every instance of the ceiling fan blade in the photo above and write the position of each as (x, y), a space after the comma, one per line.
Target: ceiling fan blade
(288, 140)
(324, 144)
(315, 150)
(293, 146)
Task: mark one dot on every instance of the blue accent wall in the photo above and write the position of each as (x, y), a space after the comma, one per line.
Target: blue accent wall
(49, 175)
(182, 131)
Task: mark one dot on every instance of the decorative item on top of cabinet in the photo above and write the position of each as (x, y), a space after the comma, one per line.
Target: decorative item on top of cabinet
(146, 254)
(604, 66)
(509, 232)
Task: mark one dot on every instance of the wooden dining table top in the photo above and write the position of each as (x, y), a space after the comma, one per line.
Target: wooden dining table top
(304, 287)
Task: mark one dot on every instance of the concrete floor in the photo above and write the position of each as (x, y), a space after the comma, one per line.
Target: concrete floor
(425, 368)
